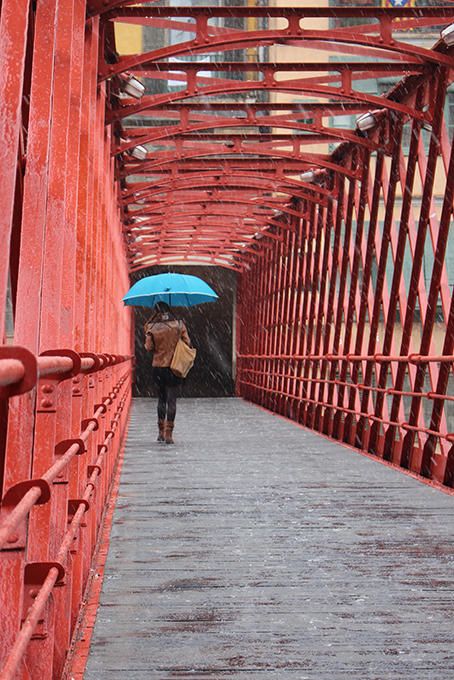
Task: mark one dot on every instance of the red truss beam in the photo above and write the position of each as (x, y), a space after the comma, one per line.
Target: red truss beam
(204, 146)
(205, 150)
(299, 109)
(182, 198)
(196, 132)
(293, 87)
(238, 12)
(211, 209)
(229, 183)
(223, 177)
(254, 203)
(216, 165)
(383, 42)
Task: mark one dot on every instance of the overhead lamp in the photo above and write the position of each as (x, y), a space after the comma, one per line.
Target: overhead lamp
(138, 152)
(308, 176)
(447, 35)
(366, 121)
(132, 86)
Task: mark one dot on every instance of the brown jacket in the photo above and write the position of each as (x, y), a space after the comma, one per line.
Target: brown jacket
(161, 337)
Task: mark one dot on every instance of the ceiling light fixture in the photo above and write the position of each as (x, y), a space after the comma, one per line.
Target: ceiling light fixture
(447, 35)
(308, 176)
(366, 121)
(132, 86)
(138, 152)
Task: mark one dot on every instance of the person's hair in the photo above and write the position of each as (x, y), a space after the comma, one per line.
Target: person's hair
(162, 307)
(159, 308)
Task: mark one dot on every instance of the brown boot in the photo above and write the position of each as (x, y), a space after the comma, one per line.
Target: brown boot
(161, 435)
(168, 432)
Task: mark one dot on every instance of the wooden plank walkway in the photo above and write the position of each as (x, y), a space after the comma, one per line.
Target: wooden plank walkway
(254, 549)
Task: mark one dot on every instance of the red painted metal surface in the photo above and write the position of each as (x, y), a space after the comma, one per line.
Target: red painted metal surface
(334, 306)
(65, 372)
(340, 237)
(358, 359)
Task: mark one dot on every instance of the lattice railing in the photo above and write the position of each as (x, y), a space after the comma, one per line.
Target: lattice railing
(347, 325)
(51, 516)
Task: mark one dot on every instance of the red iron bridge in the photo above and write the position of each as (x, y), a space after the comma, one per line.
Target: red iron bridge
(301, 158)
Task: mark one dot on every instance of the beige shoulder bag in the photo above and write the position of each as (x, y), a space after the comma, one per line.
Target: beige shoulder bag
(183, 358)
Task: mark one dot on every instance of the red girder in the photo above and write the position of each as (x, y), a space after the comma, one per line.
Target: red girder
(164, 158)
(224, 179)
(216, 165)
(295, 88)
(236, 186)
(238, 12)
(179, 198)
(304, 109)
(206, 43)
(186, 132)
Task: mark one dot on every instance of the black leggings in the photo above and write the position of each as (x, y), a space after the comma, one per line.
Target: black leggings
(167, 384)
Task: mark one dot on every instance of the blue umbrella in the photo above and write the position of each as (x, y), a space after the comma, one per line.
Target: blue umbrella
(178, 290)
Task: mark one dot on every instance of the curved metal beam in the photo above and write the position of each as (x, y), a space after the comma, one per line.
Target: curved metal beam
(251, 202)
(220, 179)
(306, 158)
(177, 130)
(218, 262)
(148, 103)
(239, 40)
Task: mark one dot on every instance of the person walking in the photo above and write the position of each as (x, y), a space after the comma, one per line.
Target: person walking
(162, 332)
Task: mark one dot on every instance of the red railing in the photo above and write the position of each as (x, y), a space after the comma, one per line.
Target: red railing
(63, 273)
(50, 520)
(339, 328)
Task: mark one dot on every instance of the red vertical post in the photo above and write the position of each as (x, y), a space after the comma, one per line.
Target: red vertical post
(429, 320)
(314, 291)
(327, 414)
(426, 199)
(350, 421)
(335, 417)
(20, 422)
(13, 44)
(376, 437)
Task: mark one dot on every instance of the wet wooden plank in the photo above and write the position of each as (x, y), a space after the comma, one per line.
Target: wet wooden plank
(256, 549)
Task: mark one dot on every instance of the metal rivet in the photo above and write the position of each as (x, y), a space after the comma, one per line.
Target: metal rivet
(46, 403)
(13, 538)
(48, 389)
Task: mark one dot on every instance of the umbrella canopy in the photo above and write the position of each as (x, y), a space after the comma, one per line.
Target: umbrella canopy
(177, 290)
